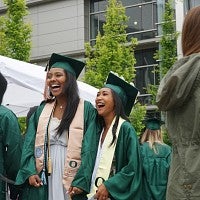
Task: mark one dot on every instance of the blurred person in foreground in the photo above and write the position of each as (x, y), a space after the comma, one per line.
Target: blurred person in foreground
(179, 96)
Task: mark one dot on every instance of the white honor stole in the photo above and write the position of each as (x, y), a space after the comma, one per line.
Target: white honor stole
(105, 162)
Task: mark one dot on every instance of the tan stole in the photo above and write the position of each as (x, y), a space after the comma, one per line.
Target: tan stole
(40, 135)
(73, 158)
(106, 158)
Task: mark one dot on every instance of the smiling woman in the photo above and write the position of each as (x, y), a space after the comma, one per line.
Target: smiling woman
(51, 158)
(111, 155)
(56, 80)
(105, 102)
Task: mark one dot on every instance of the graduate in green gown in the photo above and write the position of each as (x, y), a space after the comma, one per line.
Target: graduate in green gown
(156, 157)
(52, 146)
(111, 163)
(10, 146)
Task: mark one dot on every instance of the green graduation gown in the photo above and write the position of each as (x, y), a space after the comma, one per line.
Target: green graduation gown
(10, 147)
(28, 167)
(155, 171)
(125, 184)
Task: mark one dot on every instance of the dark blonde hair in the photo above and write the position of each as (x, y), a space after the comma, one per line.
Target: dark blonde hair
(152, 136)
(191, 32)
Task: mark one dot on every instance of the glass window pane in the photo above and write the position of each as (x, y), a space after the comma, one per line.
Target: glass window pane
(97, 5)
(148, 35)
(147, 17)
(145, 57)
(144, 77)
(102, 5)
(145, 1)
(96, 24)
(102, 20)
(130, 2)
(93, 6)
(195, 3)
(93, 26)
(155, 15)
(135, 18)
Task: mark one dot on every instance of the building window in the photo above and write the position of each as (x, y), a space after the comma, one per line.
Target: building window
(142, 18)
(96, 24)
(98, 5)
(145, 72)
(191, 3)
(142, 24)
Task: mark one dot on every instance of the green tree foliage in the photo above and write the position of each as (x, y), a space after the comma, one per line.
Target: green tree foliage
(167, 53)
(112, 52)
(15, 36)
(137, 117)
(15, 33)
(2, 37)
(22, 123)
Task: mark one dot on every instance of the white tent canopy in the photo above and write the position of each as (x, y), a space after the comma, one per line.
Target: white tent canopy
(26, 85)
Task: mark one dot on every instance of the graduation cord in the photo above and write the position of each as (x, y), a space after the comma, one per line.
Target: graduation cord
(43, 175)
(49, 158)
(47, 162)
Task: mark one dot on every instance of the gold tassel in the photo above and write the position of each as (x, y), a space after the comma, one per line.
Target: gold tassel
(49, 166)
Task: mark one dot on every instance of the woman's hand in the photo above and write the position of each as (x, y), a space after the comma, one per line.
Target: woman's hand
(102, 193)
(74, 190)
(35, 181)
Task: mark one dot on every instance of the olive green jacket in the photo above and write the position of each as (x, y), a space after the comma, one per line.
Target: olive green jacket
(179, 96)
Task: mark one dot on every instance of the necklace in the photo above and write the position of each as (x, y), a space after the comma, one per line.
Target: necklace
(61, 107)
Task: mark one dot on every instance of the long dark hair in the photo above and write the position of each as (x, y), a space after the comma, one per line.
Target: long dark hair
(72, 98)
(3, 86)
(119, 112)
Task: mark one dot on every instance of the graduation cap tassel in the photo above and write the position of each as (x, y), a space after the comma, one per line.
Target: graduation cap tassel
(43, 177)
